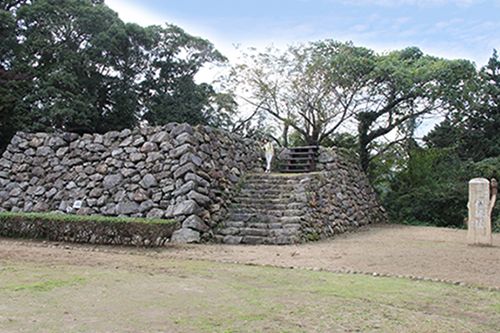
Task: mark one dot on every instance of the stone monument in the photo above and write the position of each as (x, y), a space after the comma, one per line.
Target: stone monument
(482, 196)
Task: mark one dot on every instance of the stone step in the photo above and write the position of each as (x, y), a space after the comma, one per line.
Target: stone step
(265, 188)
(234, 224)
(264, 206)
(265, 211)
(259, 200)
(264, 176)
(290, 216)
(259, 232)
(255, 240)
(263, 203)
(272, 181)
(264, 196)
(259, 225)
(283, 180)
(269, 193)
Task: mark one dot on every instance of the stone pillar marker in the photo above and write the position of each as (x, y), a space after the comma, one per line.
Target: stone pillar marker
(480, 206)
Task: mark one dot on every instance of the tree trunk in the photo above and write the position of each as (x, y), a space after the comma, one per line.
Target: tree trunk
(313, 139)
(365, 122)
(286, 128)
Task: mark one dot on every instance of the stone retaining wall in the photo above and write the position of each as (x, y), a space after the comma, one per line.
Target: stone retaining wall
(175, 171)
(291, 208)
(190, 174)
(338, 197)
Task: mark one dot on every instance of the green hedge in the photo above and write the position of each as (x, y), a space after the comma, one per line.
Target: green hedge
(61, 217)
(87, 229)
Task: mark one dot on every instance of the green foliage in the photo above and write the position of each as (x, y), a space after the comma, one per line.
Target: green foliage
(307, 89)
(473, 131)
(12, 216)
(404, 86)
(74, 65)
(433, 188)
(469, 134)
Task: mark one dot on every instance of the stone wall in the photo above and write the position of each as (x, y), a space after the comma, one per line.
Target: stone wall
(175, 171)
(292, 208)
(338, 197)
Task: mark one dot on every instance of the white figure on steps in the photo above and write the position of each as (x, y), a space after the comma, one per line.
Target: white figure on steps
(269, 152)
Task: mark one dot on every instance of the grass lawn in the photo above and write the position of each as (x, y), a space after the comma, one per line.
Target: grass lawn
(200, 296)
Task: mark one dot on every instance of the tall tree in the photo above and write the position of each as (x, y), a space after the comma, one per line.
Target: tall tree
(63, 52)
(404, 86)
(13, 84)
(171, 93)
(85, 70)
(312, 89)
(473, 131)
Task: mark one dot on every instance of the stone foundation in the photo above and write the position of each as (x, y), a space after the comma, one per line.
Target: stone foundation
(190, 174)
(175, 171)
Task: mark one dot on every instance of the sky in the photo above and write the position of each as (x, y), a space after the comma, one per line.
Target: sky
(453, 29)
(445, 28)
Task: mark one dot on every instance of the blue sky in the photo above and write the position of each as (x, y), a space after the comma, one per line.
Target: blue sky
(452, 29)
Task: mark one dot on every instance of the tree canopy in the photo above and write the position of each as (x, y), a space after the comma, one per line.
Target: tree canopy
(74, 65)
(321, 89)
(430, 186)
(309, 88)
(474, 130)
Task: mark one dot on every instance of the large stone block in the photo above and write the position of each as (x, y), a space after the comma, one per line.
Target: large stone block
(185, 235)
(182, 170)
(199, 198)
(186, 188)
(148, 181)
(127, 208)
(186, 138)
(111, 181)
(187, 207)
(159, 137)
(149, 147)
(181, 150)
(196, 223)
(181, 128)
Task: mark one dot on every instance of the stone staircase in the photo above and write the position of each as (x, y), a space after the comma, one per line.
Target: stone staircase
(266, 211)
(299, 159)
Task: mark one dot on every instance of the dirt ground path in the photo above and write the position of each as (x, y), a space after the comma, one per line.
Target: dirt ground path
(385, 249)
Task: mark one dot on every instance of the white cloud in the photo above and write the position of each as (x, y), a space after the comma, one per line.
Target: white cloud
(471, 40)
(137, 14)
(420, 3)
(140, 14)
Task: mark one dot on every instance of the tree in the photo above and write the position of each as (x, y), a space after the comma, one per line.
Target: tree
(312, 89)
(71, 68)
(404, 86)
(321, 89)
(169, 87)
(473, 131)
(13, 84)
(84, 70)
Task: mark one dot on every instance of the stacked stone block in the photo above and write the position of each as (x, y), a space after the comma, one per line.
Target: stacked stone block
(287, 209)
(175, 171)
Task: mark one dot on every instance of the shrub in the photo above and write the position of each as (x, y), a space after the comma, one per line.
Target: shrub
(433, 188)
